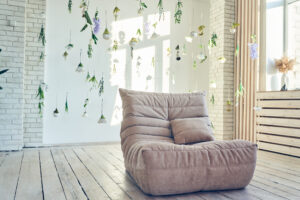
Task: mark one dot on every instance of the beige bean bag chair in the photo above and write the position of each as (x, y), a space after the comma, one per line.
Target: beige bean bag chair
(159, 165)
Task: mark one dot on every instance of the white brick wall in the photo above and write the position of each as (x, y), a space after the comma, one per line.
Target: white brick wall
(12, 57)
(20, 123)
(222, 15)
(33, 72)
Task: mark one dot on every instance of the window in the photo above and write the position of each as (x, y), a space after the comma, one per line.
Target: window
(282, 38)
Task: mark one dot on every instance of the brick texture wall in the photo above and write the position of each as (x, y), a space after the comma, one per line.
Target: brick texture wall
(222, 15)
(33, 72)
(12, 33)
(20, 22)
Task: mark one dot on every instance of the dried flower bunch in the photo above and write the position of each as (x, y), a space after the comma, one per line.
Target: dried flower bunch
(285, 64)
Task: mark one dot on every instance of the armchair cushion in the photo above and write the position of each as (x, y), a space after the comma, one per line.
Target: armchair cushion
(191, 130)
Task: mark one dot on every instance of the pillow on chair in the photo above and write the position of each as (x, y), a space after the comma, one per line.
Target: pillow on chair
(191, 130)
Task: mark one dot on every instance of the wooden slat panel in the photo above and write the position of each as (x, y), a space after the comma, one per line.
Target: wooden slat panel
(279, 148)
(279, 122)
(289, 113)
(279, 140)
(279, 104)
(279, 95)
(292, 132)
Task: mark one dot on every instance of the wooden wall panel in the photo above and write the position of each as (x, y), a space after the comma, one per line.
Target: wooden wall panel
(278, 122)
(246, 69)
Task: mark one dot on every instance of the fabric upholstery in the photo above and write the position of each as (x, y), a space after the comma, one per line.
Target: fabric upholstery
(161, 167)
(191, 130)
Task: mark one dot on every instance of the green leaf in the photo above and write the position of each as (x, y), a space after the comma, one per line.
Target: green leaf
(70, 6)
(87, 17)
(143, 5)
(84, 27)
(94, 38)
(66, 105)
(3, 71)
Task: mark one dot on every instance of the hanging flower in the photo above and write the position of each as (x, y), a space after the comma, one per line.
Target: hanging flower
(80, 68)
(212, 42)
(66, 105)
(194, 64)
(42, 56)
(40, 95)
(65, 55)
(102, 120)
(69, 46)
(116, 13)
(70, 6)
(96, 21)
(233, 27)
(94, 82)
(202, 57)
(115, 45)
(178, 12)
(222, 59)
(42, 36)
(161, 9)
(201, 30)
(253, 50)
(285, 64)
(212, 99)
(86, 102)
(90, 50)
(101, 86)
(239, 93)
(56, 112)
(147, 28)
(106, 34)
(177, 53)
(142, 6)
(84, 114)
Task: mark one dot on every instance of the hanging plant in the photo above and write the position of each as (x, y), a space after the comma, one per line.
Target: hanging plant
(88, 76)
(86, 102)
(96, 21)
(56, 112)
(154, 35)
(195, 64)
(253, 48)
(142, 6)
(84, 114)
(233, 27)
(69, 46)
(153, 62)
(132, 43)
(102, 119)
(212, 99)
(42, 36)
(70, 6)
(116, 13)
(212, 42)
(178, 12)
(147, 28)
(42, 56)
(239, 93)
(66, 104)
(90, 50)
(41, 96)
(222, 59)
(237, 50)
(177, 53)
(161, 9)
(115, 46)
(80, 65)
(202, 57)
(65, 55)
(115, 61)
(139, 34)
(2, 72)
(93, 81)
(101, 86)
(106, 34)
(201, 30)
(229, 105)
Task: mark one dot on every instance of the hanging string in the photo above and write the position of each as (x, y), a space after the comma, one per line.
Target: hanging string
(102, 107)
(105, 18)
(80, 54)
(70, 37)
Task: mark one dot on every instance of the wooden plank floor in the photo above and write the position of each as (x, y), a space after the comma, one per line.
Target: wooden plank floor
(97, 172)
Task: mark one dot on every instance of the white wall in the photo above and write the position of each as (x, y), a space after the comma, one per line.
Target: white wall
(168, 74)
